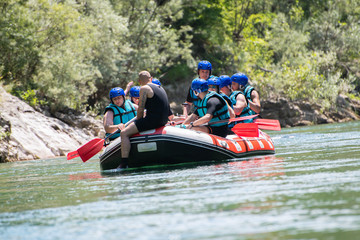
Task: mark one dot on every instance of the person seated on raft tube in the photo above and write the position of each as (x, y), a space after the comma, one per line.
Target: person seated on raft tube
(212, 108)
(154, 99)
(172, 118)
(118, 112)
(204, 71)
(245, 99)
(214, 85)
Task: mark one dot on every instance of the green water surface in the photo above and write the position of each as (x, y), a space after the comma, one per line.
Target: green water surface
(309, 190)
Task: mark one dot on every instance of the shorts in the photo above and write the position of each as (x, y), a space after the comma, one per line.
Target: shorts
(144, 124)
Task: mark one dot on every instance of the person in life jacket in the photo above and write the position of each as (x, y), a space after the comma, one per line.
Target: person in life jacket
(154, 99)
(118, 112)
(214, 85)
(134, 96)
(204, 72)
(212, 108)
(252, 99)
(225, 86)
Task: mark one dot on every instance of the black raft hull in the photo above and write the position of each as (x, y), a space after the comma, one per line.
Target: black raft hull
(171, 145)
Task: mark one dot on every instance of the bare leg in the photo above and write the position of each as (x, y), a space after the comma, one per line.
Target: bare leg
(125, 141)
(201, 129)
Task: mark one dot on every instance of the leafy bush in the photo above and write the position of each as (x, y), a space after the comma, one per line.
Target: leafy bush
(72, 52)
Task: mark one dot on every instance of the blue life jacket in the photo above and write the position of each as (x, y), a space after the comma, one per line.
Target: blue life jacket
(121, 115)
(221, 114)
(245, 111)
(227, 99)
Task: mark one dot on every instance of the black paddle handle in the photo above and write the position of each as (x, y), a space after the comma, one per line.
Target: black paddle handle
(117, 131)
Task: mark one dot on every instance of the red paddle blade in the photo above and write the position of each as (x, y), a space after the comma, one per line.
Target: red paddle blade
(90, 149)
(72, 155)
(246, 130)
(268, 124)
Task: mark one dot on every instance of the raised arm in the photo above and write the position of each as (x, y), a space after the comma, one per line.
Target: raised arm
(128, 87)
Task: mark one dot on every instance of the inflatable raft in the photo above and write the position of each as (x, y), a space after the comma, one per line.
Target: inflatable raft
(172, 145)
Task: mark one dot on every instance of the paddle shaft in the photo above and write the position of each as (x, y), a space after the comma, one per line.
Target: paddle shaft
(118, 130)
(234, 119)
(89, 146)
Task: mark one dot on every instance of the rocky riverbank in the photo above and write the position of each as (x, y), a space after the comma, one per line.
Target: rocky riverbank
(29, 134)
(300, 113)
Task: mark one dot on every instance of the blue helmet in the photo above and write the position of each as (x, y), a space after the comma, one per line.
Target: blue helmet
(225, 80)
(115, 92)
(214, 81)
(205, 65)
(199, 85)
(240, 78)
(156, 81)
(135, 91)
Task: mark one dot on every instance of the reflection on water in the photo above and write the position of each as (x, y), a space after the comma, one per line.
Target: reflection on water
(257, 167)
(308, 190)
(84, 176)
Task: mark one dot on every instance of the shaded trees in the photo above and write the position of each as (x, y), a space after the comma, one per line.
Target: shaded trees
(70, 53)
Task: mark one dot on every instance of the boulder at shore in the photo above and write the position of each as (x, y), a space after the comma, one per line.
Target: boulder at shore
(27, 134)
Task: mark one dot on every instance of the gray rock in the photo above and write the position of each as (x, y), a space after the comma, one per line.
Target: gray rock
(28, 134)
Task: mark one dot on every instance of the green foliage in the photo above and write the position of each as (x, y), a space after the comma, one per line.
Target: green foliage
(317, 80)
(70, 53)
(30, 97)
(288, 45)
(353, 96)
(4, 134)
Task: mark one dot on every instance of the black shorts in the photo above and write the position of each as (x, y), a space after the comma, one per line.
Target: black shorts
(144, 124)
(221, 131)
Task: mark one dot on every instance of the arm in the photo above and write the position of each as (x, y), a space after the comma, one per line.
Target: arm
(255, 102)
(240, 104)
(128, 86)
(231, 111)
(144, 94)
(109, 123)
(187, 104)
(190, 118)
(212, 105)
(202, 120)
(186, 108)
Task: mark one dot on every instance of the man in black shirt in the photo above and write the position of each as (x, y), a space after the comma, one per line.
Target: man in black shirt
(154, 99)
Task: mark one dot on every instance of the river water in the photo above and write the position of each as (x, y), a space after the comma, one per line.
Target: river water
(309, 190)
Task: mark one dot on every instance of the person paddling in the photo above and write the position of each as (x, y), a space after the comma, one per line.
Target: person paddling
(212, 108)
(154, 99)
(118, 112)
(214, 85)
(248, 102)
